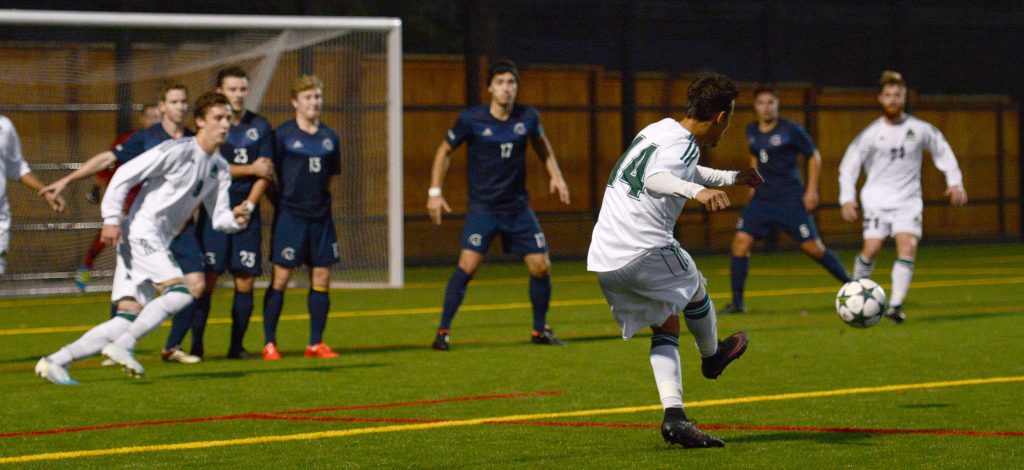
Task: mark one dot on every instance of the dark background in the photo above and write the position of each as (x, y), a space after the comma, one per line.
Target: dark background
(941, 46)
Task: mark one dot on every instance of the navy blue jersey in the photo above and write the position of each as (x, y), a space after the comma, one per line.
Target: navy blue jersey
(497, 155)
(304, 162)
(250, 139)
(143, 140)
(776, 152)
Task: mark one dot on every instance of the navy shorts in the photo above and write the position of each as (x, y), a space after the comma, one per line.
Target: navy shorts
(187, 251)
(790, 217)
(239, 252)
(520, 232)
(298, 241)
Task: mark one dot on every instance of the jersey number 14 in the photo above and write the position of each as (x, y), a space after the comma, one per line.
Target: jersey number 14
(633, 174)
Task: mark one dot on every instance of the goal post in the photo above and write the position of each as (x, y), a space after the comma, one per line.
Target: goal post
(74, 80)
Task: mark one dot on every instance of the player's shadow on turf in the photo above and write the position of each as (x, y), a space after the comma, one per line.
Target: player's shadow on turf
(234, 374)
(857, 439)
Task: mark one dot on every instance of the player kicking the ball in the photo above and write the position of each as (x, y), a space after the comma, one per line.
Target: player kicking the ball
(890, 150)
(180, 174)
(646, 277)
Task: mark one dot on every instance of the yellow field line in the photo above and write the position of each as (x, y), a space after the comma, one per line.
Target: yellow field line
(527, 305)
(493, 419)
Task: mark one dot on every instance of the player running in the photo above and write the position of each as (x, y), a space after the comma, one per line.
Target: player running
(497, 135)
(307, 157)
(646, 277)
(890, 149)
(248, 149)
(782, 202)
(180, 175)
(14, 167)
(150, 116)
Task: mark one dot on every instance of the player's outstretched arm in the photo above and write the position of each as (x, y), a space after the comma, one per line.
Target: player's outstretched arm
(92, 166)
(33, 183)
(542, 146)
(750, 177)
(436, 204)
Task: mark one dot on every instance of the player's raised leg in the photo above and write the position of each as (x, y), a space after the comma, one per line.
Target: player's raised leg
(864, 262)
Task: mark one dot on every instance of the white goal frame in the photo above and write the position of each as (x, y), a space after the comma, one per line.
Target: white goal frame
(392, 26)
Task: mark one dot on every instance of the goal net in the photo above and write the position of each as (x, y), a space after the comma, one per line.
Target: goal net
(73, 81)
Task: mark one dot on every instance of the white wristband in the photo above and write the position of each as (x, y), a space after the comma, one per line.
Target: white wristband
(249, 207)
(434, 192)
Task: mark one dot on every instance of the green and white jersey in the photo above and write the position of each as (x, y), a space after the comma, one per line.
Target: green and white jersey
(891, 155)
(634, 219)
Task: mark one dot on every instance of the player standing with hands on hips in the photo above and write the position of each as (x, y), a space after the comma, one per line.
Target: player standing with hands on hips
(646, 277)
(497, 134)
(891, 151)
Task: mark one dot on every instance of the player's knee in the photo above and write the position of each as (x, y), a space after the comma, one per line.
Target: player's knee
(469, 261)
(741, 245)
(244, 283)
(321, 278)
(539, 266)
(814, 248)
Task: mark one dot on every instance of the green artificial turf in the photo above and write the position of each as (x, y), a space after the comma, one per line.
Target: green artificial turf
(965, 321)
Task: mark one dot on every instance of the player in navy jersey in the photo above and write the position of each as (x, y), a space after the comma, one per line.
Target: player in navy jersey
(173, 106)
(783, 202)
(306, 158)
(248, 148)
(497, 135)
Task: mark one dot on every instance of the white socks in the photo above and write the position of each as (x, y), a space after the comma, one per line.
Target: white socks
(93, 340)
(702, 321)
(154, 313)
(902, 272)
(668, 374)
(862, 268)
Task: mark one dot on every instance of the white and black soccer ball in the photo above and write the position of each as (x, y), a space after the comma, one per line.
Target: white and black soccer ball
(860, 303)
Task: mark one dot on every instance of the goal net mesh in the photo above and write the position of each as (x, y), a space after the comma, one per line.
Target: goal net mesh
(71, 90)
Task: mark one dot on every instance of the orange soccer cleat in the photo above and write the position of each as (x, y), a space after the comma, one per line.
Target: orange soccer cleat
(270, 352)
(320, 350)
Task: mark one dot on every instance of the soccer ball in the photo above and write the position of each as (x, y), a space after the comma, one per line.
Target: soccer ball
(860, 303)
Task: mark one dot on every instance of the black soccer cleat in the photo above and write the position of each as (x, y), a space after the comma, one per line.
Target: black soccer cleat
(895, 313)
(441, 341)
(546, 337)
(729, 350)
(683, 432)
(734, 308)
(241, 354)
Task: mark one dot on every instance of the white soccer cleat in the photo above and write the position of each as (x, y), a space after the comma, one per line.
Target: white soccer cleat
(107, 363)
(124, 357)
(177, 355)
(54, 372)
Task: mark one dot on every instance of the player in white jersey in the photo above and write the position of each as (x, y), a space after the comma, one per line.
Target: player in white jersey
(14, 167)
(891, 151)
(645, 276)
(179, 175)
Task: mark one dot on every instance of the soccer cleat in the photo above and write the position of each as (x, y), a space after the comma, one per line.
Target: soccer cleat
(82, 278)
(729, 350)
(175, 354)
(241, 354)
(321, 351)
(734, 308)
(107, 363)
(124, 357)
(441, 342)
(270, 352)
(53, 372)
(546, 337)
(685, 433)
(895, 313)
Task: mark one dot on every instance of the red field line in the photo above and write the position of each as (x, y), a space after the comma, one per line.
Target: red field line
(729, 427)
(281, 414)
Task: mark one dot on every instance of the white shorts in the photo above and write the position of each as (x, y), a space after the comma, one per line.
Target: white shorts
(140, 265)
(880, 224)
(652, 288)
(5, 233)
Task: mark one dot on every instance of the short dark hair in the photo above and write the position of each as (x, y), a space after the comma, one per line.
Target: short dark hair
(766, 88)
(208, 100)
(172, 86)
(231, 71)
(709, 94)
(500, 67)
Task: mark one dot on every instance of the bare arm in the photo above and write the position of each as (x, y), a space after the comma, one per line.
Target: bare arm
(542, 146)
(33, 183)
(92, 166)
(438, 171)
(813, 176)
(263, 167)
